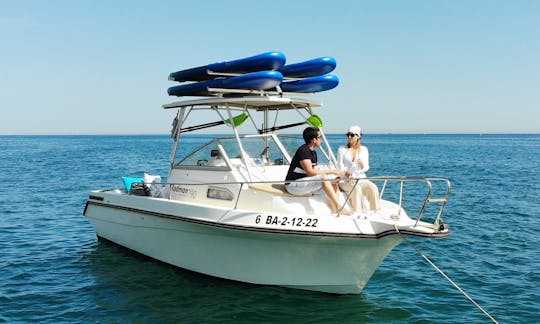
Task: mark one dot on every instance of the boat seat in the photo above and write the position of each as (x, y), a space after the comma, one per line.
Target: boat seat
(277, 189)
(221, 163)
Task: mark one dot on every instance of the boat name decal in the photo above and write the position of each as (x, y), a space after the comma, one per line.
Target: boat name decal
(183, 191)
(286, 221)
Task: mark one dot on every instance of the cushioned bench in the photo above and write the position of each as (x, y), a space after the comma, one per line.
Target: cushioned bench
(277, 189)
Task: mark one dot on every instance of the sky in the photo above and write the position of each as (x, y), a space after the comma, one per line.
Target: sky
(101, 66)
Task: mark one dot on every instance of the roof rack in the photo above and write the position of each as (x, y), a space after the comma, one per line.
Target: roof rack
(258, 103)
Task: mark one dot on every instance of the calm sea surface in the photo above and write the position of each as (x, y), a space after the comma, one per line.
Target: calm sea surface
(53, 269)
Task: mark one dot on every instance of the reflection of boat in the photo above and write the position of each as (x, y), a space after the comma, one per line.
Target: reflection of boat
(223, 210)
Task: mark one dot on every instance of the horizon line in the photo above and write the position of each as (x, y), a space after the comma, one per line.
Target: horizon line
(328, 133)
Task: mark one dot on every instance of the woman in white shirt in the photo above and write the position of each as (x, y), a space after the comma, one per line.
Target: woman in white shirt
(353, 159)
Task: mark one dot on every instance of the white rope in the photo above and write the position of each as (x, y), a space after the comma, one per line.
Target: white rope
(446, 277)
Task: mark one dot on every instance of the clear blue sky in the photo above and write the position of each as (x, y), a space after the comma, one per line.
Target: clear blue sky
(101, 67)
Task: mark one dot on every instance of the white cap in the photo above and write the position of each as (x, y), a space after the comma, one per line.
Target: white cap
(356, 130)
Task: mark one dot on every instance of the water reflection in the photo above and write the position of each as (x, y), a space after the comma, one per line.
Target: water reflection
(130, 286)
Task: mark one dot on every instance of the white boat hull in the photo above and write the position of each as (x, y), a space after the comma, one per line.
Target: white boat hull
(304, 260)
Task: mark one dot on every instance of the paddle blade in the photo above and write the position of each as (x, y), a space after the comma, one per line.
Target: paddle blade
(315, 121)
(238, 120)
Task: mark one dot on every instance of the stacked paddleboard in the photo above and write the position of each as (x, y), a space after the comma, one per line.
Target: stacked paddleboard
(261, 73)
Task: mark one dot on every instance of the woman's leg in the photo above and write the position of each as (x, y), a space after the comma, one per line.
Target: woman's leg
(371, 192)
(355, 196)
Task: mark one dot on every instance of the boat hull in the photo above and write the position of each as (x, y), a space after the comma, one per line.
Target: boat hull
(319, 262)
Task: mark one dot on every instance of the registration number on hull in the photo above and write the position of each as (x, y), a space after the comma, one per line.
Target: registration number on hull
(286, 221)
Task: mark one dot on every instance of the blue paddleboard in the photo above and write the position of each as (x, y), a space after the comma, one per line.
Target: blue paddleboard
(311, 68)
(261, 62)
(309, 85)
(252, 81)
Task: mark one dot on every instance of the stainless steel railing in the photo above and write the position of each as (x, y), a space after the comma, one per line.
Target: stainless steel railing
(428, 199)
(428, 196)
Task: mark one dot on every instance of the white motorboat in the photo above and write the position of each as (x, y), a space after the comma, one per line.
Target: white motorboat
(223, 210)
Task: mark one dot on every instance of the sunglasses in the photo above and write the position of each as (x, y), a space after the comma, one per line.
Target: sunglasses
(352, 135)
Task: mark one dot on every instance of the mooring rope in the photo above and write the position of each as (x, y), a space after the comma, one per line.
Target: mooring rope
(446, 277)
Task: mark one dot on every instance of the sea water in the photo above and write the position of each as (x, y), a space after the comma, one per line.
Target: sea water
(53, 269)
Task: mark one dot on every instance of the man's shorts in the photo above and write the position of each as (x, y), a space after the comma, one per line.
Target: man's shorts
(305, 185)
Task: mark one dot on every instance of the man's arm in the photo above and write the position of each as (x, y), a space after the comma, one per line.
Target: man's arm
(310, 171)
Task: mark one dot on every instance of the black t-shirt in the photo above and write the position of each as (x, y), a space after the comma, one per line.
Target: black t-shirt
(295, 169)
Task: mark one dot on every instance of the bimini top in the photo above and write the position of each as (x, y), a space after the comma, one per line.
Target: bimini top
(258, 103)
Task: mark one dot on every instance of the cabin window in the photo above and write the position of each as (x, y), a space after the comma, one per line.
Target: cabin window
(219, 193)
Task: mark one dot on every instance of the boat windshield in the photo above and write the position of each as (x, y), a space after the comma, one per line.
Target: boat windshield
(266, 149)
(223, 151)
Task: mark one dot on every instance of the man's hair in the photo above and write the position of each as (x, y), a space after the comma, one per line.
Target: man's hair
(310, 133)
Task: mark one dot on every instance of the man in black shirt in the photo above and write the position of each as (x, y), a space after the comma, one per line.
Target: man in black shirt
(304, 166)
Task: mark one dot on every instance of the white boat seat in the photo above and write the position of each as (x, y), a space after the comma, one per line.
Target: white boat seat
(221, 163)
(275, 189)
